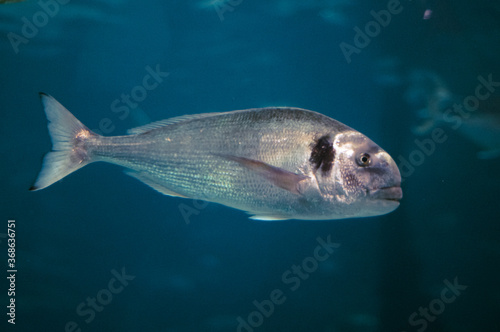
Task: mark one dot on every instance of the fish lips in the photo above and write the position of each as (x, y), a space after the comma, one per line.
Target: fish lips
(393, 194)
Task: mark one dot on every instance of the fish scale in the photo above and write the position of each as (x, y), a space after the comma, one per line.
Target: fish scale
(264, 161)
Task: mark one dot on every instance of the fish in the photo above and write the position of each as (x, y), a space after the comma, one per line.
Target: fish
(9, 1)
(436, 104)
(274, 163)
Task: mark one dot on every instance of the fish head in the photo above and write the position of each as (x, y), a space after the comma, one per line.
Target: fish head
(363, 179)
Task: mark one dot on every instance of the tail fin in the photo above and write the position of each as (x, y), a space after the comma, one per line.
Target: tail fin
(68, 137)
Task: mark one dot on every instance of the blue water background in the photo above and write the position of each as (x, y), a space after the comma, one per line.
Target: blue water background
(203, 271)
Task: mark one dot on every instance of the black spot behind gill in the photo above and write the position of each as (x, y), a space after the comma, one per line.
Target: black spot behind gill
(323, 154)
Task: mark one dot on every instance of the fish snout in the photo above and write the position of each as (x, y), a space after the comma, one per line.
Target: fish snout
(394, 193)
(387, 186)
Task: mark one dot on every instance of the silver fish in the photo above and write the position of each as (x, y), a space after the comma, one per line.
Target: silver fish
(274, 163)
(438, 106)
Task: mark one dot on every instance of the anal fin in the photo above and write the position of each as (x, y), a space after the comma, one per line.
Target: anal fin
(141, 176)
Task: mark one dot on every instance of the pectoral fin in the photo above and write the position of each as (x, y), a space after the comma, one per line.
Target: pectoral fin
(278, 176)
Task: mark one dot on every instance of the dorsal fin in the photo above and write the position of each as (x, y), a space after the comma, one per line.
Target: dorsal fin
(178, 119)
(166, 122)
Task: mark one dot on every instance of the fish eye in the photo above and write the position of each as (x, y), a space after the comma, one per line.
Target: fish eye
(364, 160)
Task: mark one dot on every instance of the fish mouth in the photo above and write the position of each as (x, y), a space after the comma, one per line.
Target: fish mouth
(387, 193)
